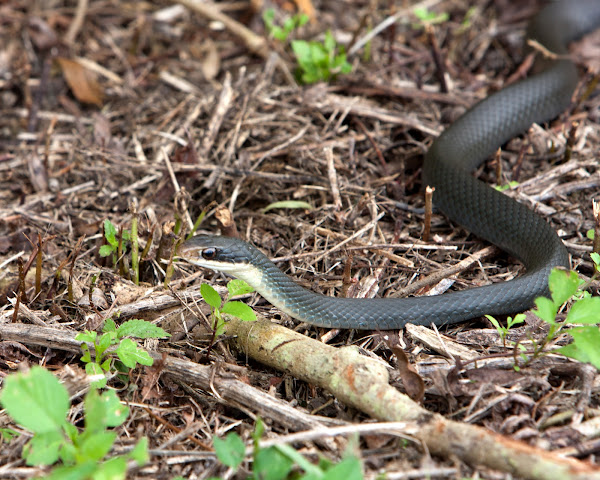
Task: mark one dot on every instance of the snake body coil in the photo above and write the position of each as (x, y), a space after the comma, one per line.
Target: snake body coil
(462, 198)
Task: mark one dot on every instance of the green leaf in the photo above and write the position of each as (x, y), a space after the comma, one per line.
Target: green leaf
(102, 411)
(329, 42)
(595, 258)
(295, 204)
(585, 346)
(110, 233)
(106, 250)
(140, 329)
(139, 454)
(518, 319)
(563, 285)
(348, 469)
(109, 326)
(590, 234)
(301, 50)
(95, 446)
(546, 310)
(87, 336)
(36, 400)
(271, 464)
(210, 295)
(113, 469)
(238, 287)
(43, 448)
(130, 354)
(239, 310)
(103, 344)
(231, 450)
(81, 471)
(303, 20)
(95, 370)
(586, 310)
(7, 434)
(299, 460)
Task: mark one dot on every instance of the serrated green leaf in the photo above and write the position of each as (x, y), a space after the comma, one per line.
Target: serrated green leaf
(231, 450)
(36, 400)
(238, 287)
(586, 310)
(87, 336)
(109, 326)
(210, 295)
(140, 329)
(130, 354)
(563, 285)
(43, 448)
(239, 310)
(294, 204)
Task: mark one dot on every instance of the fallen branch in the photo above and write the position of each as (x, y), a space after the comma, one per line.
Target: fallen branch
(362, 382)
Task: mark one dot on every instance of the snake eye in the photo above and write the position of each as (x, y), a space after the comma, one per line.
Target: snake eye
(209, 253)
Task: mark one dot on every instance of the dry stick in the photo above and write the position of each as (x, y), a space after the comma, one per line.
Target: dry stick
(428, 211)
(439, 275)
(333, 182)
(362, 383)
(254, 42)
(440, 68)
(232, 392)
(77, 22)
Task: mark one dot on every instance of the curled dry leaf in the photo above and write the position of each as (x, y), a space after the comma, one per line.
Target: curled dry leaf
(81, 81)
(413, 383)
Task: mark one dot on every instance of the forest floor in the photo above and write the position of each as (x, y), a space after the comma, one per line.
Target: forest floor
(154, 113)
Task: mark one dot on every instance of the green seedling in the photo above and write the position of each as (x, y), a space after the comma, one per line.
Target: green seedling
(508, 186)
(219, 308)
(124, 349)
(567, 287)
(428, 18)
(40, 403)
(278, 461)
(510, 322)
(290, 24)
(320, 61)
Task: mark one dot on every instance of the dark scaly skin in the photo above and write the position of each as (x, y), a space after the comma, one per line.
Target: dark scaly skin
(462, 198)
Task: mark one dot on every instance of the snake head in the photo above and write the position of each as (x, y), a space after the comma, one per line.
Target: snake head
(223, 254)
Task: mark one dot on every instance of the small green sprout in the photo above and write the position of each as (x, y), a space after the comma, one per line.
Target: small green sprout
(125, 349)
(320, 61)
(289, 25)
(428, 18)
(234, 308)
